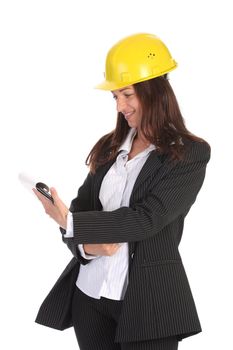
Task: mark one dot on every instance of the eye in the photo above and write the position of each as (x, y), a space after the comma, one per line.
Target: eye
(128, 95)
(114, 97)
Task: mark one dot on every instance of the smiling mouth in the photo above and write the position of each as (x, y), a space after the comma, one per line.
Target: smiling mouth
(128, 115)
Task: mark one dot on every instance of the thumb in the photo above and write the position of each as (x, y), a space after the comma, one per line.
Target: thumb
(54, 193)
(59, 203)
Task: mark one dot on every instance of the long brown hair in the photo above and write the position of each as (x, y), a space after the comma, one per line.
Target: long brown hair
(162, 124)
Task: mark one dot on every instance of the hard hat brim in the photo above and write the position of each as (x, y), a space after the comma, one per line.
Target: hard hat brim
(112, 85)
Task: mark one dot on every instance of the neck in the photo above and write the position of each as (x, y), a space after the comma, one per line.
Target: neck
(140, 138)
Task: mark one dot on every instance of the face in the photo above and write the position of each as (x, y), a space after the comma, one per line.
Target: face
(128, 104)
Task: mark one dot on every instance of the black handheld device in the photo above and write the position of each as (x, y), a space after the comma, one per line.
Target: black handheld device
(44, 189)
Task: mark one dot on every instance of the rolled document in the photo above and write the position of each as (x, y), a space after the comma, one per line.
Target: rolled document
(29, 183)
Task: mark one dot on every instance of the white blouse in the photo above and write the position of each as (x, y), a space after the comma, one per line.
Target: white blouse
(107, 276)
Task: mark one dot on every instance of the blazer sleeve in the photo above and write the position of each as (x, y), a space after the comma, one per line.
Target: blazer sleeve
(81, 203)
(162, 203)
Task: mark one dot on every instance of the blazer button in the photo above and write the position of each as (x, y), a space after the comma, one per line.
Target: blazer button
(132, 255)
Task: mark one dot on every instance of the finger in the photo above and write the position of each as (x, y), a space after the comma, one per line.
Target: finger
(62, 208)
(34, 190)
(115, 245)
(53, 191)
(37, 193)
(54, 194)
(40, 196)
(57, 200)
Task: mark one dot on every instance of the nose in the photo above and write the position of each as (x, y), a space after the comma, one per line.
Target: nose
(120, 105)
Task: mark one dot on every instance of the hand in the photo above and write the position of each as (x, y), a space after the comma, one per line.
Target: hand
(101, 249)
(58, 211)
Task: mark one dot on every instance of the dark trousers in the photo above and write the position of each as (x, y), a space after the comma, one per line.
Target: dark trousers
(95, 322)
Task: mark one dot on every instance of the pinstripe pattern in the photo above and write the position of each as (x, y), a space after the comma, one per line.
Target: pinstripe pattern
(97, 331)
(158, 302)
(170, 343)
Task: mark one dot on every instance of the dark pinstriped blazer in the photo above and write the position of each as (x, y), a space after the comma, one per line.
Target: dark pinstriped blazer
(158, 301)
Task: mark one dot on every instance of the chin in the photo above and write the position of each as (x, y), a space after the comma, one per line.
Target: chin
(132, 124)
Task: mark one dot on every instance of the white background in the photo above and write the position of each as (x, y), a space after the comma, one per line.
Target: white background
(52, 55)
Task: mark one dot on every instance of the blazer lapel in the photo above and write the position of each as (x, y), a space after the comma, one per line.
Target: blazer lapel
(152, 165)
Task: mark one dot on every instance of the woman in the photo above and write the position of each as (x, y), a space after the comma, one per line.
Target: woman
(126, 287)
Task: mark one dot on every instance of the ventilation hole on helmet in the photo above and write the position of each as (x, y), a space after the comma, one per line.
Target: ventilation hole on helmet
(151, 55)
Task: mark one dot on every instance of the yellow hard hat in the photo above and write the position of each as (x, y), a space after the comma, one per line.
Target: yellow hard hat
(136, 58)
